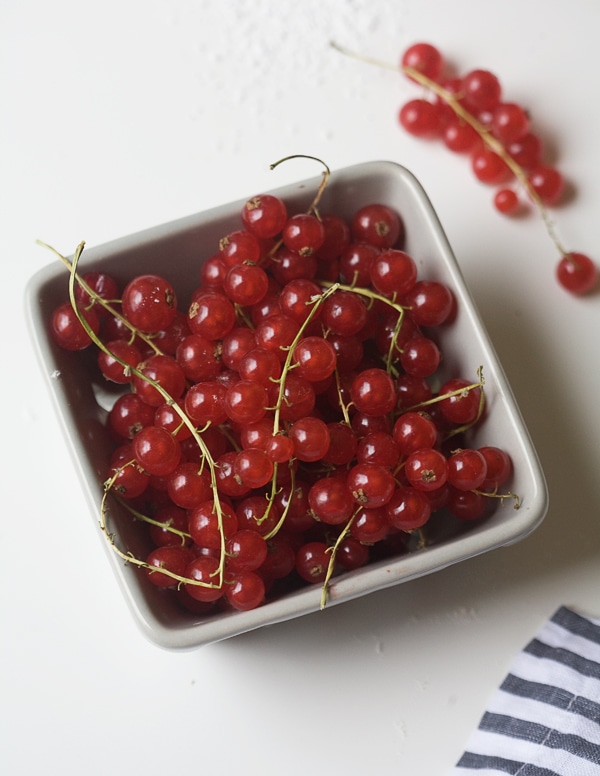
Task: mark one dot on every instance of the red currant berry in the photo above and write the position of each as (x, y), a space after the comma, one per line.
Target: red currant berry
(330, 500)
(116, 361)
(245, 590)
(211, 315)
(421, 118)
(424, 58)
(408, 509)
(414, 431)
(303, 233)
(466, 504)
(66, 329)
(189, 485)
(499, 467)
(467, 469)
(370, 484)
(149, 303)
(577, 273)
(246, 550)
(245, 284)
(481, 90)
(355, 263)
(378, 225)
(372, 392)
(337, 237)
(315, 358)
(198, 357)
(253, 467)
(370, 525)
(344, 313)
(159, 375)
(462, 403)
(393, 272)
(246, 401)
(429, 302)
(204, 570)
(128, 415)
(312, 562)
(506, 201)
(489, 167)
(420, 357)
(510, 122)
(547, 182)
(239, 247)
(204, 403)
(170, 559)
(102, 285)
(526, 151)
(460, 137)
(311, 439)
(264, 215)
(157, 451)
(207, 529)
(426, 469)
(255, 513)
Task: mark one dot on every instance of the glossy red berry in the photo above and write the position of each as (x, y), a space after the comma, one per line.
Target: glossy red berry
(424, 58)
(149, 303)
(378, 225)
(577, 273)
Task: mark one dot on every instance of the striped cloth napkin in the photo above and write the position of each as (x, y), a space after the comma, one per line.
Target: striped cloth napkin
(544, 720)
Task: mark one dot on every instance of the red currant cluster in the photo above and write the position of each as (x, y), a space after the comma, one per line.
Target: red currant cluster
(283, 426)
(470, 116)
(479, 93)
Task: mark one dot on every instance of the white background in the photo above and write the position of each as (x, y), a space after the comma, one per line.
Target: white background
(123, 114)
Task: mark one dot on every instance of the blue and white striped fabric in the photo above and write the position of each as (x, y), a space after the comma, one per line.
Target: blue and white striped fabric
(544, 720)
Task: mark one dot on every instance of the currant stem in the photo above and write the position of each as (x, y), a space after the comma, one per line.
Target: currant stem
(326, 175)
(334, 550)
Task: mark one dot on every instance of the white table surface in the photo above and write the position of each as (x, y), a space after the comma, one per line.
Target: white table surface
(120, 115)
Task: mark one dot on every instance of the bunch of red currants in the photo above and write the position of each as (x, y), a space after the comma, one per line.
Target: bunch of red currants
(282, 426)
(470, 116)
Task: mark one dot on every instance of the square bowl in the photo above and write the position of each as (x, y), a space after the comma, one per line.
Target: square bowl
(175, 250)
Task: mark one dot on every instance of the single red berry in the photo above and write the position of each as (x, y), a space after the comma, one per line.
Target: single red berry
(510, 122)
(426, 469)
(264, 215)
(489, 168)
(506, 201)
(312, 562)
(66, 329)
(577, 273)
(303, 233)
(245, 590)
(378, 225)
(408, 509)
(481, 90)
(149, 303)
(467, 469)
(424, 58)
(172, 559)
(204, 570)
(421, 118)
(547, 182)
(373, 392)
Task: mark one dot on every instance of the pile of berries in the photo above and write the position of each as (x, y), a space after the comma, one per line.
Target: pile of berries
(470, 116)
(282, 426)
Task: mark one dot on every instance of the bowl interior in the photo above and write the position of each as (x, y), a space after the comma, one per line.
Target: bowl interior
(177, 250)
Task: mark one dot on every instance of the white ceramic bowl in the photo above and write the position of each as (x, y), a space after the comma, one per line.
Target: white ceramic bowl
(175, 249)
